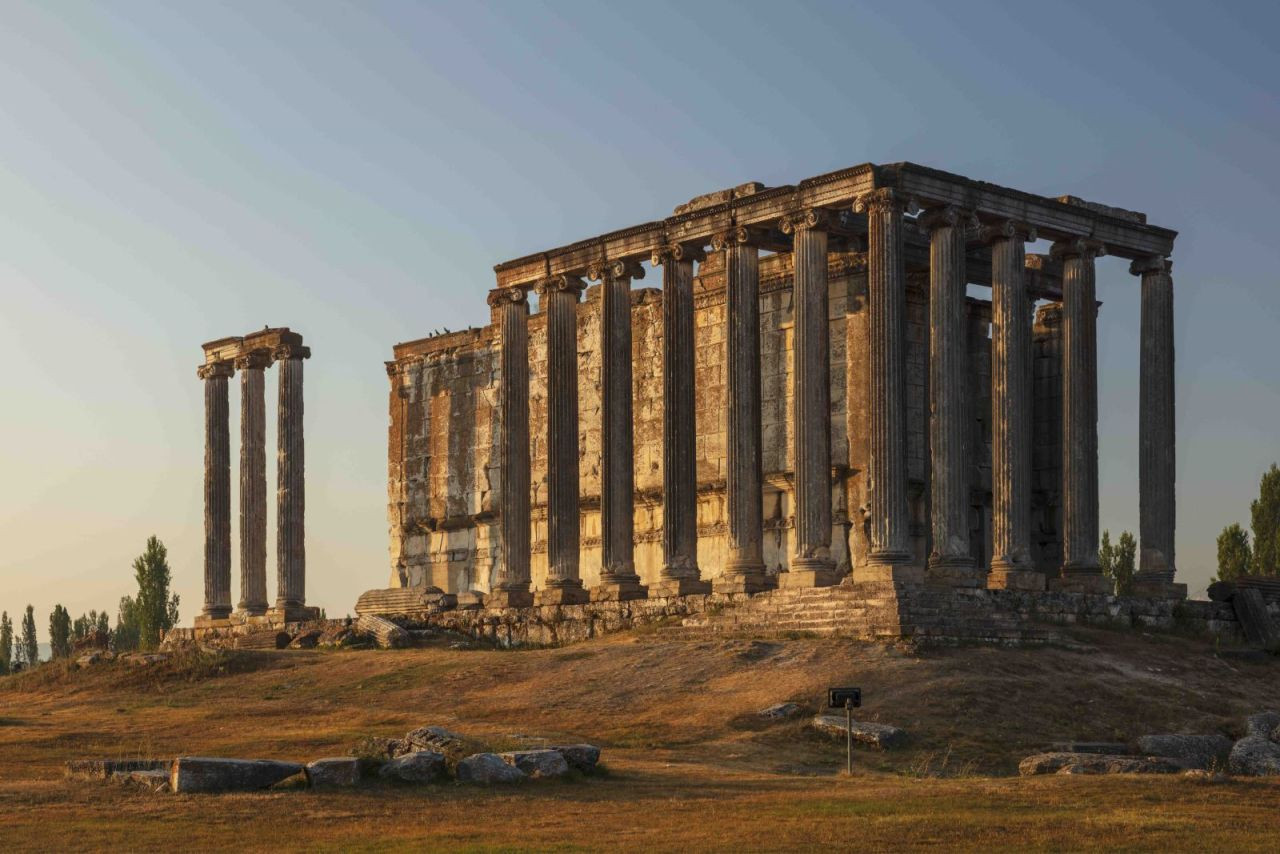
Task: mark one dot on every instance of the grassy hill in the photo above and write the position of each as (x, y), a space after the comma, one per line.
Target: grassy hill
(689, 763)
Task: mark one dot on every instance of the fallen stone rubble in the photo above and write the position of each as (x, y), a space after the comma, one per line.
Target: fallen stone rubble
(425, 755)
(882, 736)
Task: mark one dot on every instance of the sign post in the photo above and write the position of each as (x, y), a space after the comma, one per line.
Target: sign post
(849, 698)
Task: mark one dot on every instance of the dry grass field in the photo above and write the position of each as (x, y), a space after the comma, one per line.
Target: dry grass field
(689, 764)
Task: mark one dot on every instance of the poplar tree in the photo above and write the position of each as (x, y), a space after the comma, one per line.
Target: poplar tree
(6, 643)
(1266, 524)
(30, 646)
(60, 632)
(154, 611)
(1234, 553)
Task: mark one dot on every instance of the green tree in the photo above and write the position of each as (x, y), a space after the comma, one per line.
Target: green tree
(1266, 524)
(30, 646)
(1106, 554)
(6, 643)
(60, 632)
(1234, 554)
(1118, 561)
(86, 624)
(126, 635)
(156, 609)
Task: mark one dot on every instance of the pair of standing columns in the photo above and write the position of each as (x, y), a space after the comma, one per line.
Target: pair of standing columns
(290, 494)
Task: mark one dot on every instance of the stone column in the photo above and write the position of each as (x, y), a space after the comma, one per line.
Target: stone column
(890, 559)
(680, 575)
(217, 491)
(253, 483)
(291, 556)
(811, 564)
(950, 562)
(744, 565)
(1011, 403)
(511, 587)
(618, 578)
(1080, 569)
(559, 296)
(1156, 461)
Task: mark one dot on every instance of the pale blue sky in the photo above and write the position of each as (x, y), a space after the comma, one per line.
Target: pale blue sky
(172, 173)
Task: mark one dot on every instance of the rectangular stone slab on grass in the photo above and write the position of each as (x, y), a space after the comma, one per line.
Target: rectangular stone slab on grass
(334, 771)
(883, 736)
(581, 757)
(213, 774)
(538, 763)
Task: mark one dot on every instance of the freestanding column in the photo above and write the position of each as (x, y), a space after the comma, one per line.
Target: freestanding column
(511, 587)
(291, 556)
(618, 578)
(680, 574)
(1080, 569)
(1156, 462)
(950, 562)
(253, 483)
(744, 566)
(559, 297)
(811, 564)
(890, 558)
(217, 491)
(1011, 564)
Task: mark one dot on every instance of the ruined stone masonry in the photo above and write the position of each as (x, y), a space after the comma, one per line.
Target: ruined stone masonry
(816, 392)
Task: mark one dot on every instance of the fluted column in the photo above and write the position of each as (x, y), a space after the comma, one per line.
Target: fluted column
(744, 565)
(811, 564)
(217, 491)
(253, 482)
(1011, 563)
(291, 556)
(618, 578)
(680, 575)
(950, 562)
(511, 587)
(890, 558)
(1080, 569)
(1156, 460)
(559, 296)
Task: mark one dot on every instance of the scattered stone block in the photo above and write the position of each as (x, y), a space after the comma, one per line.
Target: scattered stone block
(1255, 621)
(1097, 763)
(385, 633)
(262, 639)
(306, 640)
(781, 710)
(1261, 724)
(211, 774)
(581, 757)
(538, 763)
(334, 771)
(434, 738)
(487, 768)
(337, 638)
(1194, 751)
(89, 659)
(882, 736)
(143, 659)
(470, 600)
(1255, 756)
(101, 769)
(1110, 748)
(374, 747)
(152, 781)
(421, 766)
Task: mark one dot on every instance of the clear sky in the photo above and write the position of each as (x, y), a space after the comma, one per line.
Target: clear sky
(172, 173)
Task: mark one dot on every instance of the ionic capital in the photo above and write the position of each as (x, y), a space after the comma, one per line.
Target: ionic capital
(885, 199)
(678, 252)
(562, 284)
(1006, 229)
(817, 219)
(506, 296)
(739, 235)
(213, 370)
(290, 351)
(393, 369)
(254, 360)
(1151, 264)
(948, 216)
(1078, 247)
(598, 271)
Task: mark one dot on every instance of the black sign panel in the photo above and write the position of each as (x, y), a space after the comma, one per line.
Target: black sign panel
(838, 698)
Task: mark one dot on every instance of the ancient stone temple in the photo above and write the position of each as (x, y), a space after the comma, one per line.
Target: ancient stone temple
(251, 355)
(884, 375)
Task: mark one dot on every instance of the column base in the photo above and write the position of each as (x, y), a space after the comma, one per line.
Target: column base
(1080, 582)
(680, 587)
(1013, 578)
(904, 573)
(571, 594)
(752, 581)
(509, 599)
(1159, 589)
(619, 590)
(954, 572)
(293, 613)
(251, 610)
(213, 621)
(807, 574)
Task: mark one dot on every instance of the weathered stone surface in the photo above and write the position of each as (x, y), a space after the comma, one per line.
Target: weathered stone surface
(421, 766)
(883, 736)
(1255, 620)
(538, 763)
(211, 774)
(385, 633)
(334, 771)
(375, 747)
(487, 768)
(1096, 763)
(581, 757)
(434, 738)
(1196, 751)
(1262, 724)
(338, 637)
(1221, 591)
(101, 769)
(306, 640)
(263, 639)
(154, 781)
(1110, 747)
(781, 710)
(1255, 756)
